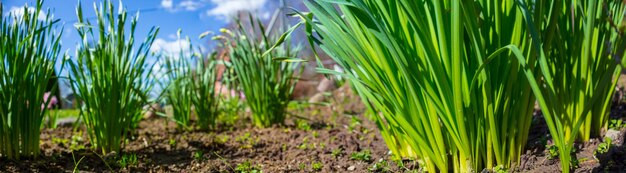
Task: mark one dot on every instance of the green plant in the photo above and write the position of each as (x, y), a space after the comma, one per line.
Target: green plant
(380, 166)
(553, 152)
(247, 167)
(303, 125)
(127, 160)
(336, 152)
(205, 99)
(198, 155)
(178, 87)
(266, 82)
(29, 48)
(110, 76)
(448, 77)
(603, 147)
(301, 166)
(363, 155)
(616, 124)
(172, 142)
(577, 79)
(317, 166)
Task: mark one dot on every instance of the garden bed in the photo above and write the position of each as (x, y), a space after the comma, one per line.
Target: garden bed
(318, 138)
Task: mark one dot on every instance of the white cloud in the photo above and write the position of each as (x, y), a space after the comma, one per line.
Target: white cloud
(167, 4)
(185, 5)
(190, 5)
(170, 47)
(19, 11)
(225, 9)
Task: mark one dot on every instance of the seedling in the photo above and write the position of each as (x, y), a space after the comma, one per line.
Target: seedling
(337, 152)
(247, 167)
(317, 166)
(127, 160)
(198, 155)
(616, 124)
(364, 155)
(603, 147)
(553, 152)
(380, 166)
(172, 142)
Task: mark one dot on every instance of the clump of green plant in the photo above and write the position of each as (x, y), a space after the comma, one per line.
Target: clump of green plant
(247, 167)
(448, 77)
(616, 124)
(178, 88)
(29, 48)
(205, 99)
(267, 80)
(603, 147)
(198, 155)
(317, 166)
(553, 152)
(109, 75)
(337, 152)
(127, 160)
(577, 80)
(364, 155)
(380, 166)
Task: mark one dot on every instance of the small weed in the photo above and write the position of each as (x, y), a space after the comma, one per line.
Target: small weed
(77, 142)
(553, 152)
(364, 155)
(354, 123)
(247, 141)
(500, 169)
(247, 167)
(303, 146)
(603, 147)
(616, 124)
(222, 139)
(301, 166)
(315, 134)
(284, 147)
(317, 166)
(172, 142)
(336, 152)
(303, 125)
(198, 155)
(127, 160)
(380, 166)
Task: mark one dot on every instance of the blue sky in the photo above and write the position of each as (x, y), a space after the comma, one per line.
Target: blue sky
(194, 17)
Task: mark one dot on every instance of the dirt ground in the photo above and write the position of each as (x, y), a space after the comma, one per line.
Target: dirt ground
(337, 137)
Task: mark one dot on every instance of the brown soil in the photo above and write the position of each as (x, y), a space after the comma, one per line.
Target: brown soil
(324, 134)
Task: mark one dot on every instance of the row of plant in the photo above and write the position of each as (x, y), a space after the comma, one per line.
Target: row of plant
(112, 77)
(455, 82)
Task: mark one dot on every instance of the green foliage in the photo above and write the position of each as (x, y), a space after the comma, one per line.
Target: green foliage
(553, 152)
(110, 76)
(317, 166)
(447, 76)
(336, 152)
(178, 88)
(266, 80)
(363, 155)
(127, 160)
(247, 167)
(29, 48)
(198, 155)
(616, 124)
(380, 166)
(575, 81)
(205, 98)
(603, 147)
